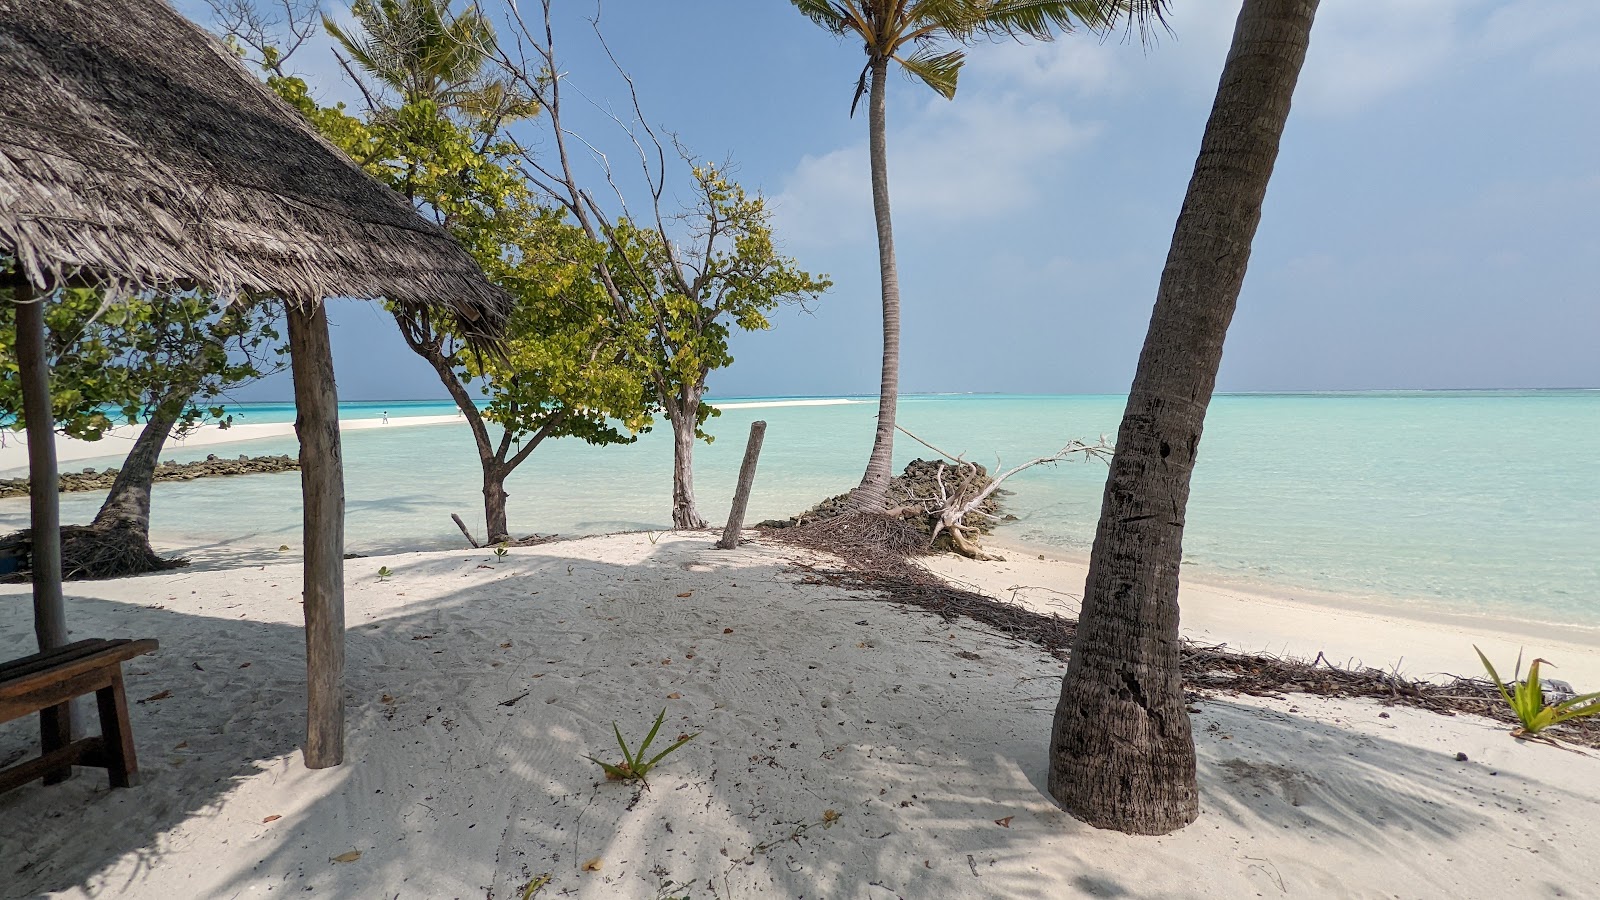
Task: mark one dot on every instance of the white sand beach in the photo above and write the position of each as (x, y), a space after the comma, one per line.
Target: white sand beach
(117, 441)
(847, 747)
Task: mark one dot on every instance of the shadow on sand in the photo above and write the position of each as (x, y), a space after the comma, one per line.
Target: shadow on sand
(470, 715)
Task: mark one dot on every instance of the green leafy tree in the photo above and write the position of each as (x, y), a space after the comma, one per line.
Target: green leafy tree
(565, 370)
(687, 293)
(680, 281)
(164, 361)
(925, 39)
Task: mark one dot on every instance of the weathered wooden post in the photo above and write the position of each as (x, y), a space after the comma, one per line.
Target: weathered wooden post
(322, 488)
(44, 514)
(741, 494)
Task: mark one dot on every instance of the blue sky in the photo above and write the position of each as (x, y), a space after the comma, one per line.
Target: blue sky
(1434, 220)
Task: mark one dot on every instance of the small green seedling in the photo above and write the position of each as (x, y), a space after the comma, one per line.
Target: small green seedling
(634, 767)
(501, 552)
(384, 572)
(536, 885)
(1526, 699)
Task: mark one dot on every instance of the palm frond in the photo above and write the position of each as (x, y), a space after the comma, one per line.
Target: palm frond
(937, 70)
(1042, 19)
(826, 14)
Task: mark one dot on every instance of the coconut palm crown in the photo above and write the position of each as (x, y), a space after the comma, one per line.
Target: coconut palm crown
(919, 34)
(421, 50)
(926, 38)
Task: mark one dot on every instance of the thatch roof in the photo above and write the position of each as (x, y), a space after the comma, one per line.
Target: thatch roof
(135, 149)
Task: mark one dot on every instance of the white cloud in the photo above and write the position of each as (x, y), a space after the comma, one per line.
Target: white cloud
(1078, 64)
(973, 159)
(1363, 51)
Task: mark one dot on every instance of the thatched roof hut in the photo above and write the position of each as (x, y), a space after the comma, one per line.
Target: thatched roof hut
(136, 149)
(136, 152)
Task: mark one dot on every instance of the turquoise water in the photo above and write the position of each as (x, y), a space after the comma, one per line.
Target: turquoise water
(1470, 501)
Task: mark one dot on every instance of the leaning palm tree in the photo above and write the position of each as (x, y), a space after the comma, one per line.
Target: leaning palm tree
(1121, 750)
(925, 38)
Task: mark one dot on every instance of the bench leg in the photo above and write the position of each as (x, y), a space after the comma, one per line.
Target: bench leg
(55, 732)
(121, 761)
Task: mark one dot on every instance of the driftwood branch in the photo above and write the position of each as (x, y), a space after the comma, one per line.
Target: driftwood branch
(463, 526)
(967, 493)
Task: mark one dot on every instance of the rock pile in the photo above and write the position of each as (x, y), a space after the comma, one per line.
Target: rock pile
(211, 466)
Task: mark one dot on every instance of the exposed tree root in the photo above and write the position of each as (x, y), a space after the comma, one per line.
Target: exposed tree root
(92, 552)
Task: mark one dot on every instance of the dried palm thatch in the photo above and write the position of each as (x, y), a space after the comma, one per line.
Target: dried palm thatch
(135, 151)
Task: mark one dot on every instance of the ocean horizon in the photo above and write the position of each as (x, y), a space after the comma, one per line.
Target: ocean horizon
(1481, 502)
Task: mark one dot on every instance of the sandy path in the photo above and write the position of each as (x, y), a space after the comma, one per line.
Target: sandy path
(476, 687)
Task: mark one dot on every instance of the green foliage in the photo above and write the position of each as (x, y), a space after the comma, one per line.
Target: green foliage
(422, 52)
(634, 767)
(385, 573)
(501, 552)
(535, 885)
(137, 354)
(1526, 699)
(564, 370)
(686, 295)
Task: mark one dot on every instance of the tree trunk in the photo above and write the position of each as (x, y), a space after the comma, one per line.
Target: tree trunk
(873, 492)
(685, 515)
(128, 504)
(1122, 753)
(316, 422)
(44, 517)
(494, 505)
(425, 343)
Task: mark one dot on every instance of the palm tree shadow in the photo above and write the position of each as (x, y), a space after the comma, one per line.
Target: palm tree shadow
(1345, 785)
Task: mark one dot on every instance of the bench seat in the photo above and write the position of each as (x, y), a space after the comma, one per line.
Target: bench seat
(45, 682)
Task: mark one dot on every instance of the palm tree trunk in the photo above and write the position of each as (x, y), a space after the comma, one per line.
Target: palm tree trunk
(684, 512)
(872, 494)
(1121, 751)
(128, 504)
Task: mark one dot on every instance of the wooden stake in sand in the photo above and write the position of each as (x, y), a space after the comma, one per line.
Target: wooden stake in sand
(741, 494)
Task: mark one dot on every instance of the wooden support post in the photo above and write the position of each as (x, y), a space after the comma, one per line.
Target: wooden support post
(322, 489)
(741, 494)
(49, 609)
(33, 360)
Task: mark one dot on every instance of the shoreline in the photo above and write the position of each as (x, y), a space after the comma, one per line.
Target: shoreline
(118, 441)
(1411, 608)
(1285, 621)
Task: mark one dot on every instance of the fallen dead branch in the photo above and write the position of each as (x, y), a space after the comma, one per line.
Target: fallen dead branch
(967, 497)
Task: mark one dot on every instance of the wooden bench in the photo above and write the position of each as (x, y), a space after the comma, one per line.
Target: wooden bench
(44, 683)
